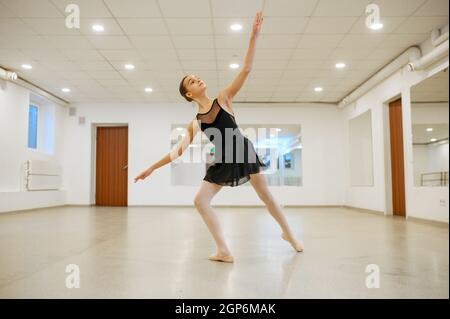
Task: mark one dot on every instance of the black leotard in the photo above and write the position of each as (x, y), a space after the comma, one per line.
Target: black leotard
(235, 156)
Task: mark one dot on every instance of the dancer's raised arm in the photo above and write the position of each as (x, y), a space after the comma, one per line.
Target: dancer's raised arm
(233, 88)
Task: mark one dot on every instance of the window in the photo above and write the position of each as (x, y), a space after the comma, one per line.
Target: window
(278, 145)
(33, 112)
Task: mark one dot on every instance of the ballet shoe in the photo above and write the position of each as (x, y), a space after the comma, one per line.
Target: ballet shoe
(294, 243)
(226, 259)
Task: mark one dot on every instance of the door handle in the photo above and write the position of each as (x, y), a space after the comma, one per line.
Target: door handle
(125, 167)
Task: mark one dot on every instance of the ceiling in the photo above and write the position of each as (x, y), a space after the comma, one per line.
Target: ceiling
(422, 136)
(299, 45)
(432, 89)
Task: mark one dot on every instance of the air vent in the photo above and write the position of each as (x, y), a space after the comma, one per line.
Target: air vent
(72, 111)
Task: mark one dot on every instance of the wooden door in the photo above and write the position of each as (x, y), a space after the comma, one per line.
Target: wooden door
(397, 162)
(111, 186)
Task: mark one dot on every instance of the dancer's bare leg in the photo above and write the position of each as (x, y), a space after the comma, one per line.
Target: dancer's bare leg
(259, 183)
(202, 202)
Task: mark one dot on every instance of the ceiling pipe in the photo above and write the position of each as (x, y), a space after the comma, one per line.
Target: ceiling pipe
(437, 53)
(12, 76)
(409, 55)
(44, 93)
(439, 35)
(8, 75)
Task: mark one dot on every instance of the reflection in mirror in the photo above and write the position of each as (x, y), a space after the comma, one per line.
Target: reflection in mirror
(278, 146)
(429, 117)
(360, 156)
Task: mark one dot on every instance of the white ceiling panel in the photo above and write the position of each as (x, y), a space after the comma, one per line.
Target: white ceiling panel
(120, 55)
(390, 25)
(298, 47)
(47, 55)
(52, 26)
(341, 8)
(110, 42)
(389, 8)
(330, 25)
(5, 12)
(134, 8)
(272, 41)
(110, 25)
(151, 41)
(32, 9)
(193, 42)
(289, 8)
(88, 8)
(433, 8)
(422, 25)
(310, 41)
(14, 26)
(180, 9)
(193, 26)
(67, 42)
(143, 26)
(235, 8)
(82, 55)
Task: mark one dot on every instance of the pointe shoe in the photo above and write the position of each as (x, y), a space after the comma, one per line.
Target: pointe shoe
(226, 259)
(294, 243)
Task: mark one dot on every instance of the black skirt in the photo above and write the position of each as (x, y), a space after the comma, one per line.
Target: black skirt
(235, 173)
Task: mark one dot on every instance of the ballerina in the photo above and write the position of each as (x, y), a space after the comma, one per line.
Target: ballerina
(218, 114)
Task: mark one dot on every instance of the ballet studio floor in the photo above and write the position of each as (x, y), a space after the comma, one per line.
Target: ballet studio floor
(151, 252)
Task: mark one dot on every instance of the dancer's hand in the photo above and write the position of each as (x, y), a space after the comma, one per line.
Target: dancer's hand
(144, 174)
(257, 22)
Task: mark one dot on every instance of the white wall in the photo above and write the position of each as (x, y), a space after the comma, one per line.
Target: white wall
(149, 132)
(14, 101)
(421, 202)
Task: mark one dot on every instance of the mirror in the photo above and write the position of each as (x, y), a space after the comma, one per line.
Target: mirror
(360, 150)
(278, 146)
(429, 118)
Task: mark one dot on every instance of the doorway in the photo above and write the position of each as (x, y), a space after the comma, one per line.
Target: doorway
(397, 170)
(111, 166)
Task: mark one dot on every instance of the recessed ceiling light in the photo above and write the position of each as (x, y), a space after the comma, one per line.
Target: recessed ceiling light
(234, 65)
(129, 66)
(433, 139)
(179, 128)
(376, 26)
(340, 65)
(98, 28)
(236, 27)
(66, 90)
(278, 129)
(148, 90)
(430, 129)
(318, 89)
(27, 66)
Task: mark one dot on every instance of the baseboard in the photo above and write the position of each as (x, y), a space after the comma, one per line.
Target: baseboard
(428, 221)
(364, 210)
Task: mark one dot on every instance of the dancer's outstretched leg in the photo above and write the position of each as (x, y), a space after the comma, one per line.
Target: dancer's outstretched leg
(259, 183)
(202, 202)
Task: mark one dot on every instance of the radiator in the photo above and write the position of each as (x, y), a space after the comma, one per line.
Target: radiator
(42, 175)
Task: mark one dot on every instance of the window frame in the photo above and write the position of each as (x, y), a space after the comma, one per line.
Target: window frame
(38, 107)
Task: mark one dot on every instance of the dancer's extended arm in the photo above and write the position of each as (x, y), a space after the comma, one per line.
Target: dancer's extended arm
(177, 151)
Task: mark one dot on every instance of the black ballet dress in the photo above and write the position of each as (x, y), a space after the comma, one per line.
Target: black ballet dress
(235, 156)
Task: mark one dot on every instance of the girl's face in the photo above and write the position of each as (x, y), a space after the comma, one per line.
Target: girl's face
(194, 86)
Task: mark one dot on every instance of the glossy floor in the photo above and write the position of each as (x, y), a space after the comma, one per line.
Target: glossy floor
(152, 252)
